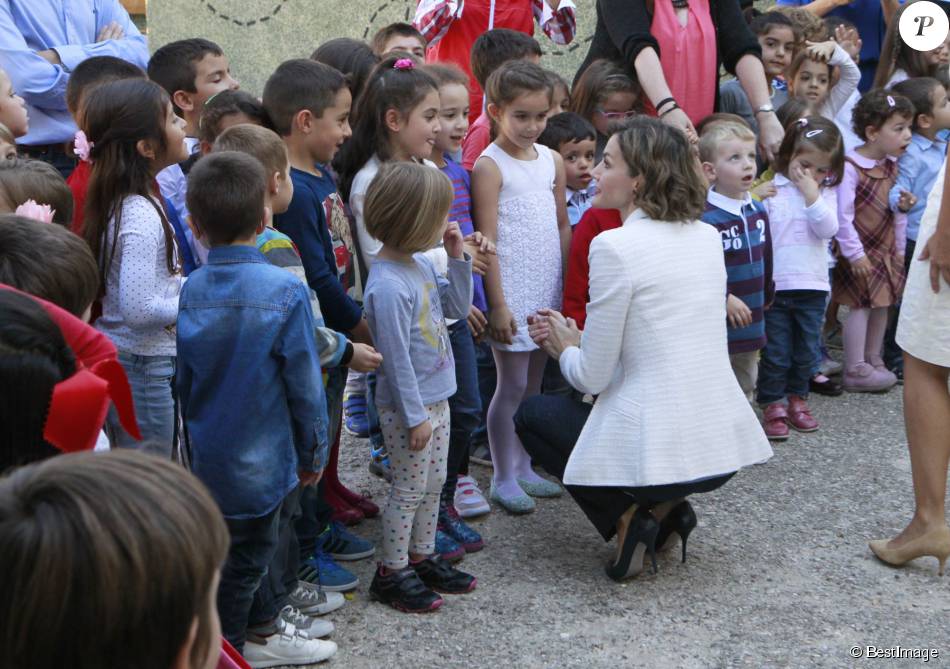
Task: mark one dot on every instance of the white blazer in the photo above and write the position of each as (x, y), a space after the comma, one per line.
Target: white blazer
(654, 349)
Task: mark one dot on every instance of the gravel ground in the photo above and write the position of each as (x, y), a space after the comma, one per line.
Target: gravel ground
(778, 572)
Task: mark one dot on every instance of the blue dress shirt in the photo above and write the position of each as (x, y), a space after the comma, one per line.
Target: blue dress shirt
(70, 27)
(917, 171)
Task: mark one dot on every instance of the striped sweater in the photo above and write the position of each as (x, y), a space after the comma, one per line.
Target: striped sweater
(743, 228)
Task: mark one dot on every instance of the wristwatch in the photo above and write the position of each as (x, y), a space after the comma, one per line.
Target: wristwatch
(768, 108)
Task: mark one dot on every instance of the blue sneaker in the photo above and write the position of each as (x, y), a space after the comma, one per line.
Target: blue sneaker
(379, 463)
(341, 545)
(356, 420)
(451, 524)
(320, 569)
(447, 547)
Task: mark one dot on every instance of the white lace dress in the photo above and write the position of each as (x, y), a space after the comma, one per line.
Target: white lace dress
(528, 242)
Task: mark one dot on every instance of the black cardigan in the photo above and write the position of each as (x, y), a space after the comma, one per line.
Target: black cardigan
(623, 30)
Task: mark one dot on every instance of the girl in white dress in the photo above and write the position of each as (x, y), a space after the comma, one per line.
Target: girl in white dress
(519, 203)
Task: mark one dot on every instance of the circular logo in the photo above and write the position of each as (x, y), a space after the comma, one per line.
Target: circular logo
(924, 26)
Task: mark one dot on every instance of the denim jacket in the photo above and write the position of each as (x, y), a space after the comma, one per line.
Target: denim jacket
(249, 380)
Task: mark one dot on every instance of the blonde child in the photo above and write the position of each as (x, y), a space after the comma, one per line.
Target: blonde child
(518, 188)
(871, 236)
(802, 221)
(407, 300)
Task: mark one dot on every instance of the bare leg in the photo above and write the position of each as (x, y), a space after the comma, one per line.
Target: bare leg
(927, 420)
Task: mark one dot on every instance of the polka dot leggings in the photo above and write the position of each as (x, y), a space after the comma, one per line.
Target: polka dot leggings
(411, 512)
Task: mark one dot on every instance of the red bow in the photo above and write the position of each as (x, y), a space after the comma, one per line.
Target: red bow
(80, 403)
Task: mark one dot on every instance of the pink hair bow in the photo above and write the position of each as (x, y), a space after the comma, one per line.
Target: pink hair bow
(38, 212)
(404, 64)
(82, 147)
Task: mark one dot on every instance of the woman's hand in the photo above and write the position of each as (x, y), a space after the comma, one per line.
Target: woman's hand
(365, 358)
(477, 323)
(481, 249)
(501, 324)
(678, 119)
(554, 333)
(771, 134)
(452, 239)
(420, 435)
(937, 251)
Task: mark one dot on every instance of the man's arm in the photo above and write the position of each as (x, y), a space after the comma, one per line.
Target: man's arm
(116, 35)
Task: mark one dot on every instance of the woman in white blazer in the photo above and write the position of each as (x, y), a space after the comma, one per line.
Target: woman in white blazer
(670, 419)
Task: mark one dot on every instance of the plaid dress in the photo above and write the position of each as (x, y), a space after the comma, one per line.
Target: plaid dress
(874, 222)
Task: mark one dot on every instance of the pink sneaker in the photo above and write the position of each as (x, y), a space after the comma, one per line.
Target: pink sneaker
(799, 415)
(863, 378)
(776, 425)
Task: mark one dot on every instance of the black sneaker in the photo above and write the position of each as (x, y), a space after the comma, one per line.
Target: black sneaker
(404, 591)
(439, 575)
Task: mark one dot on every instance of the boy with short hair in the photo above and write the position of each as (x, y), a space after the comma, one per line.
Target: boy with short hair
(489, 52)
(256, 422)
(727, 152)
(308, 104)
(575, 139)
(399, 37)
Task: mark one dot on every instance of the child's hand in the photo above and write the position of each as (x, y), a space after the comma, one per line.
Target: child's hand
(481, 249)
(861, 268)
(308, 479)
(737, 312)
(365, 358)
(821, 51)
(764, 190)
(420, 435)
(805, 182)
(501, 325)
(849, 40)
(476, 322)
(452, 239)
(906, 201)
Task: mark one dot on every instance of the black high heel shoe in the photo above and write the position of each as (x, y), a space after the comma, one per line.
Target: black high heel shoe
(640, 540)
(682, 520)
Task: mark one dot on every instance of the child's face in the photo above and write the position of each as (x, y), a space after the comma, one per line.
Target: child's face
(560, 100)
(407, 44)
(578, 162)
(227, 121)
(615, 107)
(7, 151)
(893, 137)
(280, 199)
(938, 55)
(212, 75)
(414, 135)
(12, 108)
(175, 149)
(615, 187)
(523, 120)
(812, 81)
(778, 47)
(941, 108)
(733, 169)
(453, 117)
(810, 158)
(329, 131)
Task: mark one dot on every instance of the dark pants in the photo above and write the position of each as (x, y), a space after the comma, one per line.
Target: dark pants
(465, 407)
(793, 328)
(54, 154)
(549, 425)
(893, 355)
(242, 595)
(281, 577)
(372, 415)
(487, 378)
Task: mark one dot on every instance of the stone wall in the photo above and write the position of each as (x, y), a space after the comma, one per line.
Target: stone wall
(257, 35)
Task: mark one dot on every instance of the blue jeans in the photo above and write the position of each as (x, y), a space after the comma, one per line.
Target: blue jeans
(465, 406)
(151, 378)
(793, 328)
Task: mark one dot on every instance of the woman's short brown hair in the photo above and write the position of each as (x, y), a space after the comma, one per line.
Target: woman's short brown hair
(673, 189)
(23, 179)
(406, 205)
(108, 558)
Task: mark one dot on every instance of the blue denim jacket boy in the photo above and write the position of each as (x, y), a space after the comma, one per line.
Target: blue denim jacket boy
(249, 380)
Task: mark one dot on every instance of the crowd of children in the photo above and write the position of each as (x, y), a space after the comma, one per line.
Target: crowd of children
(348, 251)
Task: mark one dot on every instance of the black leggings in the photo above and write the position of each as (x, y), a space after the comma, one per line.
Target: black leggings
(549, 425)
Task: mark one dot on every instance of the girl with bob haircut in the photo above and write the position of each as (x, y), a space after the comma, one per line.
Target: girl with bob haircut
(631, 460)
(130, 549)
(406, 302)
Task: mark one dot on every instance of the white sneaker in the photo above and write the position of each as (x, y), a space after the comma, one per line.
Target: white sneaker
(311, 600)
(830, 367)
(469, 500)
(288, 647)
(309, 626)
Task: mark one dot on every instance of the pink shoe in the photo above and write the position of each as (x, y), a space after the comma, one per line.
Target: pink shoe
(776, 425)
(799, 415)
(863, 378)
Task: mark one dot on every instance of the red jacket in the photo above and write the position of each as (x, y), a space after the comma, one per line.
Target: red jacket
(592, 223)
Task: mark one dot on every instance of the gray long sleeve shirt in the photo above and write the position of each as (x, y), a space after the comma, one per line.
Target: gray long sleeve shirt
(406, 305)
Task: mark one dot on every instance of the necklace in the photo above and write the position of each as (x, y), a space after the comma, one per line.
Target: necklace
(680, 4)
